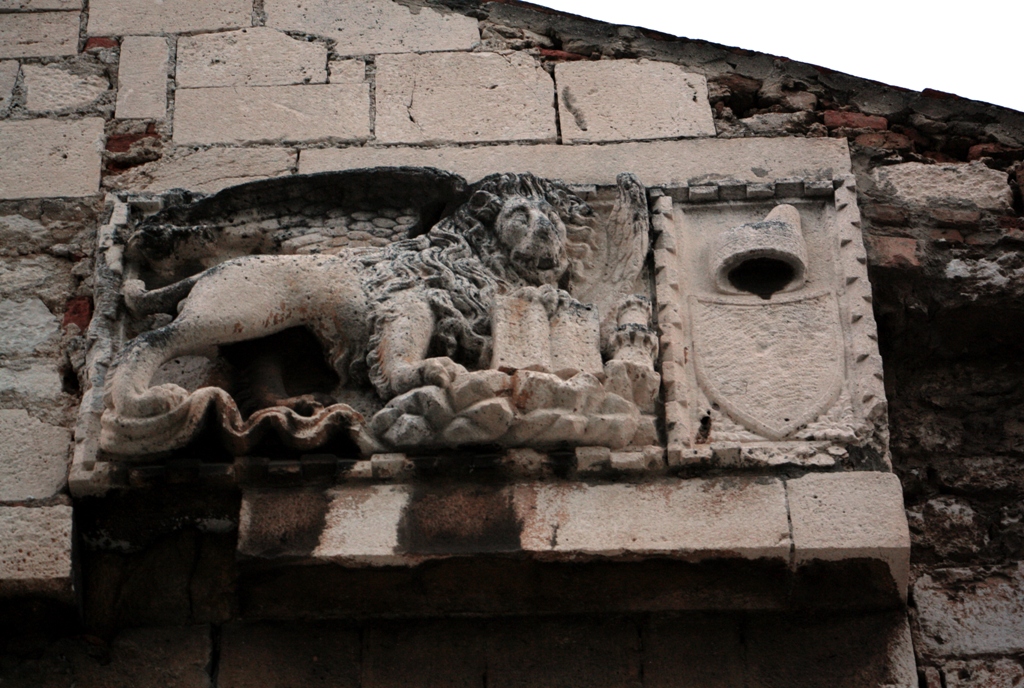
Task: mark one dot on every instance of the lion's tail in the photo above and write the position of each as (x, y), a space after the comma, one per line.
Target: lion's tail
(141, 301)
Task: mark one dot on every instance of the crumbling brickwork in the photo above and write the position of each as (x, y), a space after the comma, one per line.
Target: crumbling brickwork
(136, 97)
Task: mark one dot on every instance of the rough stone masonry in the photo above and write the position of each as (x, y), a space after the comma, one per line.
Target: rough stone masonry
(192, 570)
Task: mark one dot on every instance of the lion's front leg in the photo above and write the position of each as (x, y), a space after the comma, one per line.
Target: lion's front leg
(402, 349)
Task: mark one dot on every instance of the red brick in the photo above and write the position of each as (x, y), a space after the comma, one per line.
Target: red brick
(854, 120)
(948, 236)
(953, 217)
(1011, 222)
(936, 156)
(100, 43)
(885, 214)
(980, 239)
(994, 150)
(893, 252)
(561, 55)
(79, 312)
(889, 140)
(938, 95)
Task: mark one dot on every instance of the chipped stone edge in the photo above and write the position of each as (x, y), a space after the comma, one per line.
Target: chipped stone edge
(864, 363)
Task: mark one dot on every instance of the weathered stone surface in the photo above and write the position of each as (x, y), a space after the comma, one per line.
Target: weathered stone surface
(962, 612)
(51, 88)
(292, 654)
(142, 17)
(168, 656)
(446, 97)
(992, 673)
(272, 114)
(142, 78)
(972, 185)
(854, 515)
(8, 77)
(44, 276)
(50, 158)
(29, 328)
(39, 5)
(35, 551)
(20, 236)
(693, 519)
(449, 652)
(256, 56)
(366, 27)
(347, 71)
(33, 457)
(32, 381)
(655, 163)
(693, 651)
(207, 170)
(38, 34)
(621, 100)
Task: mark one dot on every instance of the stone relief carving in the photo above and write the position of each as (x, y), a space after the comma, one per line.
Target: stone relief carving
(521, 317)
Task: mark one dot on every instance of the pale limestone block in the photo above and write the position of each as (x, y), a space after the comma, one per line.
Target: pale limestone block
(142, 78)
(36, 382)
(272, 113)
(38, 34)
(963, 184)
(33, 457)
(28, 327)
(39, 5)
(35, 551)
(347, 71)
(360, 524)
(256, 56)
(856, 515)
(8, 77)
(51, 88)
(964, 613)
(142, 17)
(984, 673)
(655, 163)
(206, 171)
(441, 97)
(369, 27)
(44, 276)
(689, 519)
(49, 158)
(620, 100)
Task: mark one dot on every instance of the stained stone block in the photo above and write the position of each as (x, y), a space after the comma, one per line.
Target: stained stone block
(851, 516)
(619, 100)
(142, 17)
(272, 114)
(38, 34)
(42, 276)
(451, 97)
(33, 457)
(972, 185)
(207, 170)
(142, 78)
(8, 77)
(51, 88)
(292, 654)
(367, 27)
(256, 56)
(49, 158)
(34, 381)
(656, 163)
(39, 5)
(35, 552)
(29, 328)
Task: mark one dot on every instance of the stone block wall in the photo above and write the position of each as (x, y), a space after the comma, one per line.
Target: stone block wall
(140, 96)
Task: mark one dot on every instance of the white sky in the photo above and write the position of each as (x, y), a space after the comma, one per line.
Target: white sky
(974, 49)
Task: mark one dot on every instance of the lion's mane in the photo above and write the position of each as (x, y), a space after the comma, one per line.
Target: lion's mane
(460, 266)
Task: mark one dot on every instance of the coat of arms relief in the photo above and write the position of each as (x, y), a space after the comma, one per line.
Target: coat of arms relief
(390, 310)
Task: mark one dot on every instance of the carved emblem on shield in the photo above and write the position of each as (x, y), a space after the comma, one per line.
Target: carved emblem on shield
(773, 366)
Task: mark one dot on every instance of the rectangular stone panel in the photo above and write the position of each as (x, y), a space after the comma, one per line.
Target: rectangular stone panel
(142, 78)
(207, 170)
(39, 5)
(367, 27)
(256, 56)
(33, 457)
(857, 515)
(50, 158)
(8, 77)
(141, 17)
(292, 654)
(450, 97)
(656, 163)
(272, 113)
(35, 551)
(622, 100)
(39, 34)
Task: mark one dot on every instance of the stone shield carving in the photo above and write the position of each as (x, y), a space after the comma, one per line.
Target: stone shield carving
(773, 366)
